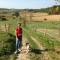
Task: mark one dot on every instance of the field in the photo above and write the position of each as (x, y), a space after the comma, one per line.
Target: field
(47, 33)
(40, 34)
(7, 40)
(54, 33)
(40, 17)
(47, 17)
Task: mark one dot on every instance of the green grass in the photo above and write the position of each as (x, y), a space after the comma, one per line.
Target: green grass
(7, 41)
(48, 25)
(7, 46)
(8, 57)
(32, 43)
(12, 23)
(46, 40)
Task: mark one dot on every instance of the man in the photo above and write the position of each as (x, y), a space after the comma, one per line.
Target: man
(18, 37)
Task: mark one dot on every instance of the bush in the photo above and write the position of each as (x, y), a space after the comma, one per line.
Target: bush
(7, 43)
(3, 19)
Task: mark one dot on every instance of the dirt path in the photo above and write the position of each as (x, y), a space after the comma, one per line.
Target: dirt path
(45, 55)
(23, 55)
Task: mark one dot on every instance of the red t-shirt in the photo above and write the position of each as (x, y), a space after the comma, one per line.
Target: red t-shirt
(18, 32)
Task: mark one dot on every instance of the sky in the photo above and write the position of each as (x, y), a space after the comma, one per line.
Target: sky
(31, 4)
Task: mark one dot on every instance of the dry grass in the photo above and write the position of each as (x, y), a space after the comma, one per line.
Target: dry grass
(41, 16)
(51, 32)
(48, 18)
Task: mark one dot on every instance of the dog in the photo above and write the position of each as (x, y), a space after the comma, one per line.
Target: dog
(27, 47)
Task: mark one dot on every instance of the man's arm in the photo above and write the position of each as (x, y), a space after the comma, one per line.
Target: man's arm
(16, 34)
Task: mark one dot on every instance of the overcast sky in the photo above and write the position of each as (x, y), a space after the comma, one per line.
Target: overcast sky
(21, 4)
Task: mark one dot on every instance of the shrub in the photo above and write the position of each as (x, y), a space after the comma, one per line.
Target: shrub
(45, 19)
(7, 43)
(3, 19)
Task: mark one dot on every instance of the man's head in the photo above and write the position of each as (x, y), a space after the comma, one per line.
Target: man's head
(19, 24)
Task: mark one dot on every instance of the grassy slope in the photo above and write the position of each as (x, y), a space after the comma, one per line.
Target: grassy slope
(26, 34)
(13, 24)
(35, 25)
(46, 40)
(7, 46)
(8, 57)
(48, 25)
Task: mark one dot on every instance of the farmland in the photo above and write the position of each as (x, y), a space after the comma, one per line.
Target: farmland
(7, 38)
(44, 33)
(38, 16)
(47, 33)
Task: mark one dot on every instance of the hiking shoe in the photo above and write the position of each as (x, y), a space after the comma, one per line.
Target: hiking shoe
(16, 52)
(19, 50)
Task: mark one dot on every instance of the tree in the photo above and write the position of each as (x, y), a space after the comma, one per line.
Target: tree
(16, 14)
(54, 10)
(57, 1)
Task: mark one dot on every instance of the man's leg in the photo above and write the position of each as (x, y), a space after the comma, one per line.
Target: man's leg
(17, 43)
(20, 42)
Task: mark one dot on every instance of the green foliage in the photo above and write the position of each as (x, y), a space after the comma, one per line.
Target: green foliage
(46, 25)
(57, 0)
(54, 10)
(7, 43)
(46, 40)
(8, 57)
(34, 56)
(16, 14)
(32, 43)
